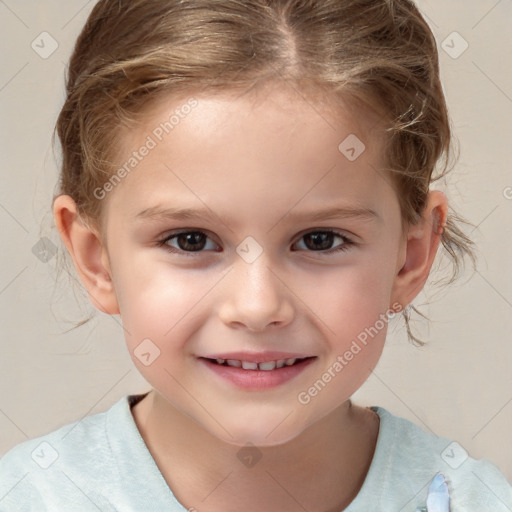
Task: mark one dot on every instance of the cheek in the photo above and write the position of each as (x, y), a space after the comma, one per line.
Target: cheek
(154, 299)
(356, 336)
(354, 311)
(349, 299)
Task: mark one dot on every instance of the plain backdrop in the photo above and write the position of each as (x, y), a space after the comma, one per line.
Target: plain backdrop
(459, 385)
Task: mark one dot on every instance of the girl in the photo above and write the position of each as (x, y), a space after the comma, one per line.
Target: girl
(247, 184)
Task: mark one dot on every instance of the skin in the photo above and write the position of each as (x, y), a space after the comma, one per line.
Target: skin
(254, 160)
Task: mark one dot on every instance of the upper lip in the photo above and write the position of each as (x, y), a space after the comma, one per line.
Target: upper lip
(256, 357)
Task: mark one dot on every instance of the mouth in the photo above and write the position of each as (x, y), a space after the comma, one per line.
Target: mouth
(254, 366)
(257, 375)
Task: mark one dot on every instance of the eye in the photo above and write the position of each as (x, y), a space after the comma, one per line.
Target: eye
(187, 241)
(323, 240)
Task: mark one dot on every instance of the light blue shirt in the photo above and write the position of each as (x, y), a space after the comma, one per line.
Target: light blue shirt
(102, 463)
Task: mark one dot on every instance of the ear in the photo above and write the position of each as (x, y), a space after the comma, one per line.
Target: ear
(420, 249)
(89, 255)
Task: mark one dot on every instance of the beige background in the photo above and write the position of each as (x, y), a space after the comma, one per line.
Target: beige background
(459, 386)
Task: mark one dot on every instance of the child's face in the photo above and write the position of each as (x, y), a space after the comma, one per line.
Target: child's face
(263, 170)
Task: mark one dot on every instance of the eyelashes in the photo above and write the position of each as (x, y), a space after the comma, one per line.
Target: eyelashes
(192, 242)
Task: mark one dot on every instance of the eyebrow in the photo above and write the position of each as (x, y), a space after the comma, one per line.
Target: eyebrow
(158, 213)
(346, 212)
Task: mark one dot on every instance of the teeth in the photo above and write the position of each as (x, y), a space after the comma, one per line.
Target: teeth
(250, 365)
(246, 365)
(267, 366)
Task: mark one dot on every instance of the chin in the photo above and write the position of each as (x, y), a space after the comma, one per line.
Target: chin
(259, 432)
(258, 439)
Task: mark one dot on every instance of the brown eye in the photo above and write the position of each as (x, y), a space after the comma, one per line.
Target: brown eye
(187, 241)
(323, 241)
(319, 241)
(194, 241)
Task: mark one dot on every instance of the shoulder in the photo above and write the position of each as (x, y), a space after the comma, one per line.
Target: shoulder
(62, 466)
(410, 456)
(97, 463)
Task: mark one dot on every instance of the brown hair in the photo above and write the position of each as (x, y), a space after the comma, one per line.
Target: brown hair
(381, 52)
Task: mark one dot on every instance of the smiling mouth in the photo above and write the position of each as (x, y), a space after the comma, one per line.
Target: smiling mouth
(251, 365)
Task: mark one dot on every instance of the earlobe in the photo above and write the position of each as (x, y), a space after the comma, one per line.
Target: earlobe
(420, 250)
(88, 253)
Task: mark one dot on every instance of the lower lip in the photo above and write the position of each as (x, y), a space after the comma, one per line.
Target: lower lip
(257, 379)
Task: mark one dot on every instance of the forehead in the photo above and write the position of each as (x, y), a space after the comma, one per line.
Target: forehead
(268, 109)
(271, 147)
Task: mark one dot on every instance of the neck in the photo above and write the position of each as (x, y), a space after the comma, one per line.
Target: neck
(206, 474)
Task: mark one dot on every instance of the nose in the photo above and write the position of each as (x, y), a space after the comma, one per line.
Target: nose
(255, 297)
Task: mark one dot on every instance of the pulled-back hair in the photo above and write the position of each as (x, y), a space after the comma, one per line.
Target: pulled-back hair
(380, 52)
